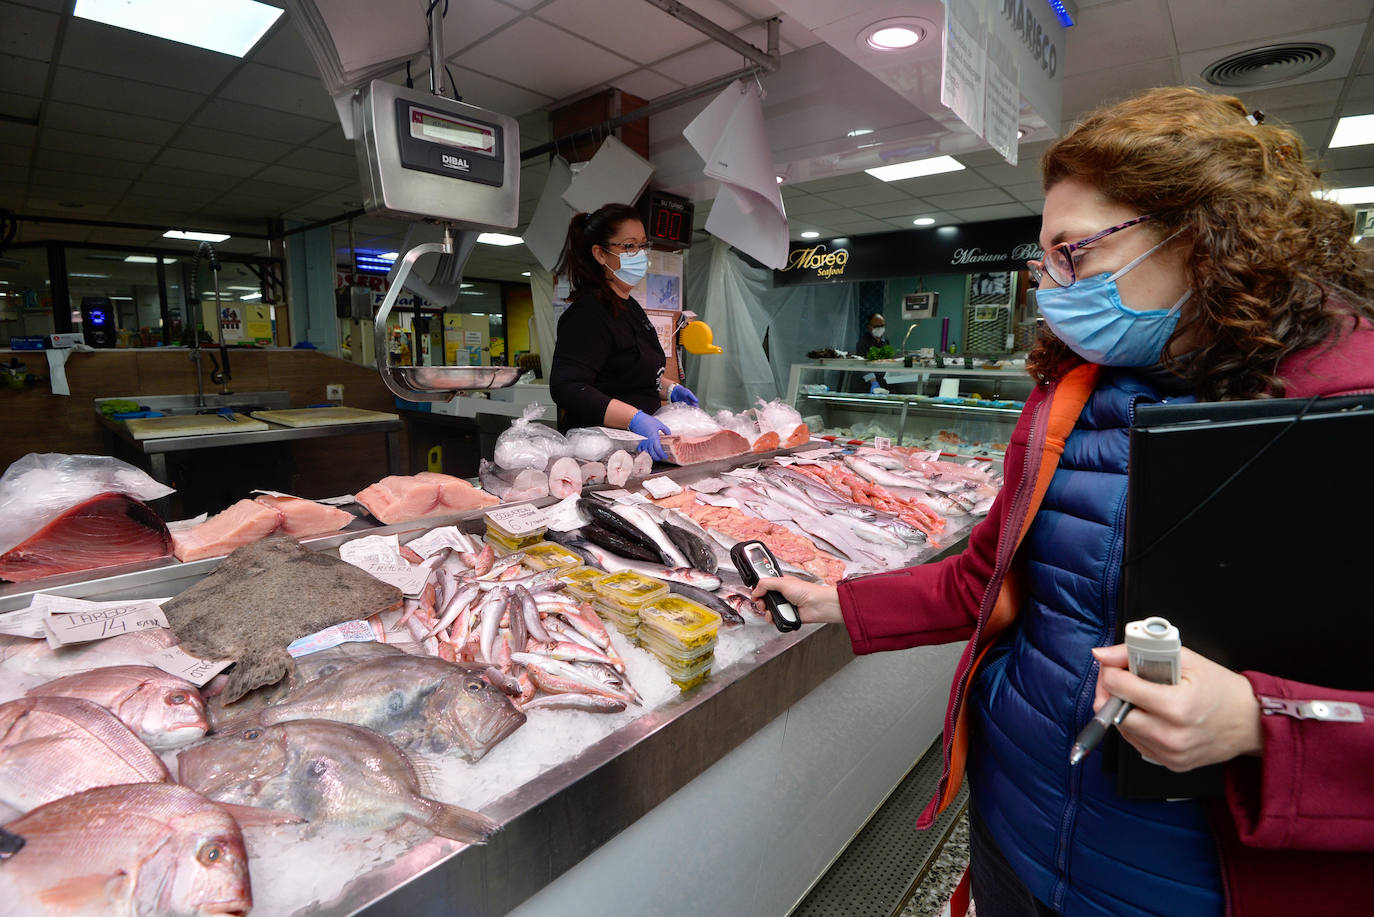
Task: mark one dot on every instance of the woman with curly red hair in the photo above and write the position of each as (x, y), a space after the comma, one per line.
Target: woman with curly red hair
(1185, 255)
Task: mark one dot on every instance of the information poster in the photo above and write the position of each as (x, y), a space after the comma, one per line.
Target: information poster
(1002, 105)
(964, 67)
(257, 323)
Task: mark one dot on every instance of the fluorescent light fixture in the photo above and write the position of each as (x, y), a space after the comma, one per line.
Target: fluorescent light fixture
(811, 234)
(499, 238)
(859, 132)
(893, 38)
(473, 293)
(147, 259)
(924, 221)
(916, 168)
(1353, 130)
(193, 236)
(228, 26)
(93, 276)
(389, 256)
(120, 298)
(1348, 196)
(250, 297)
(242, 289)
(464, 285)
(524, 273)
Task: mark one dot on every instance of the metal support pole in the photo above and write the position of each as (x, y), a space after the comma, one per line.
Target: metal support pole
(436, 50)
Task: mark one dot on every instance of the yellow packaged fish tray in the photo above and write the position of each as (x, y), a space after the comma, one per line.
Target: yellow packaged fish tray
(580, 580)
(681, 621)
(686, 677)
(625, 622)
(670, 653)
(546, 555)
(630, 590)
(505, 545)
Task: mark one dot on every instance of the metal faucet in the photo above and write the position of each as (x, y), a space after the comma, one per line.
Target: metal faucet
(219, 373)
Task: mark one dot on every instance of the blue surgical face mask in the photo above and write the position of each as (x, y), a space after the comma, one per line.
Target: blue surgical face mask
(1090, 318)
(633, 268)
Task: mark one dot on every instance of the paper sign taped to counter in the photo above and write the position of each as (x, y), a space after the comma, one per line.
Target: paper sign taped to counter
(67, 621)
(176, 661)
(436, 540)
(380, 555)
(518, 520)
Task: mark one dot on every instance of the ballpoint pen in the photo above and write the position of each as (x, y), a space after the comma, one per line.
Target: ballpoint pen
(1111, 714)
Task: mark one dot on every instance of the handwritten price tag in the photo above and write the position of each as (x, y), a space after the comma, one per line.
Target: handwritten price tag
(380, 555)
(436, 540)
(66, 621)
(518, 520)
(176, 661)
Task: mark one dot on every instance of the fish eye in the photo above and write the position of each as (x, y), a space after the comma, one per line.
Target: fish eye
(209, 853)
(178, 698)
(474, 686)
(252, 734)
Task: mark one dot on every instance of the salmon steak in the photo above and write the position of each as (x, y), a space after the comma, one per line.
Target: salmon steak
(107, 529)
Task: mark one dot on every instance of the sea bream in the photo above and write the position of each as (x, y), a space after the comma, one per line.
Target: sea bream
(325, 773)
(51, 747)
(421, 703)
(163, 710)
(127, 851)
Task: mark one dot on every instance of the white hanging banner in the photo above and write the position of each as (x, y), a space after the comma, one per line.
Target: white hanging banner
(1002, 105)
(964, 63)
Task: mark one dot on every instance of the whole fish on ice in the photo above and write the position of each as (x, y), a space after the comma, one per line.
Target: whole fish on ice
(127, 851)
(163, 710)
(323, 772)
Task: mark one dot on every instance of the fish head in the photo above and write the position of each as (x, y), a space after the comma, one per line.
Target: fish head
(200, 869)
(166, 713)
(469, 716)
(232, 767)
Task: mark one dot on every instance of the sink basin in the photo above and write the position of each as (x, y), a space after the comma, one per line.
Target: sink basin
(240, 402)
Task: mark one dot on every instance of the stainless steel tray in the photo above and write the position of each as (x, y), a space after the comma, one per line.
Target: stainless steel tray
(454, 378)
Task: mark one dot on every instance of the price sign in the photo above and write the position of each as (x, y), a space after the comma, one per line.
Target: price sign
(518, 520)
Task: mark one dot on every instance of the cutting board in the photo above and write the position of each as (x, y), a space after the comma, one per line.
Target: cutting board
(190, 425)
(322, 417)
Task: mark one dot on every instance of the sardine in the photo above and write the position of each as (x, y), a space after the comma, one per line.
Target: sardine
(51, 747)
(163, 710)
(422, 703)
(151, 848)
(325, 773)
(529, 612)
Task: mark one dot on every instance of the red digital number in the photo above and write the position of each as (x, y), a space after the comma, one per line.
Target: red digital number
(661, 224)
(675, 228)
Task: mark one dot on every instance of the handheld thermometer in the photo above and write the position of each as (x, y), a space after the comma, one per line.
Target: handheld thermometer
(1152, 650)
(754, 562)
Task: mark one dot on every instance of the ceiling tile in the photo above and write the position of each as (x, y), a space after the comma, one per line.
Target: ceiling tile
(646, 84)
(100, 90)
(496, 95)
(100, 122)
(995, 212)
(22, 75)
(639, 31)
(1118, 34)
(225, 143)
(258, 122)
(876, 193)
(977, 197)
(13, 155)
(102, 147)
(207, 162)
(1086, 91)
(190, 178)
(119, 52)
(947, 183)
(286, 50)
(703, 62)
(1030, 191)
(907, 207)
(28, 32)
(1306, 101)
(806, 204)
(307, 159)
(78, 181)
(17, 106)
(276, 190)
(514, 54)
(281, 90)
(94, 165)
(472, 22)
(1226, 22)
(865, 227)
(305, 178)
(332, 140)
(840, 182)
(152, 191)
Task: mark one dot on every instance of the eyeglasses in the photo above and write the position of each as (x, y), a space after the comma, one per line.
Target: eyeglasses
(1058, 260)
(628, 248)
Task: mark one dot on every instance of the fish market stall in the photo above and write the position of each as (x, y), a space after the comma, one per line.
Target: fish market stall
(570, 788)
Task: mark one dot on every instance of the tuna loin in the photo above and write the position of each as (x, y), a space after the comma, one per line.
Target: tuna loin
(688, 450)
(107, 529)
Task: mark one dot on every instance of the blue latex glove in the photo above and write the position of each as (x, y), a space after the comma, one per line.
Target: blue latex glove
(681, 394)
(873, 387)
(651, 428)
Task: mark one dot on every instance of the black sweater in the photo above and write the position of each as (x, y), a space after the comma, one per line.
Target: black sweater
(600, 357)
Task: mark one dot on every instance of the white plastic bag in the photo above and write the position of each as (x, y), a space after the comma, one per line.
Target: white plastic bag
(742, 424)
(777, 417)
(685, 420)
(39, 487)
(529, 444)
(589, 444)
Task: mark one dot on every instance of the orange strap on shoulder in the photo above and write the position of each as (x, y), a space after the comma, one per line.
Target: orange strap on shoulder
(1070, 395)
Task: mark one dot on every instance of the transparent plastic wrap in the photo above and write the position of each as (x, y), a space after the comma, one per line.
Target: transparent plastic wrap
(526, 443)
(742, 424)
(589, 444)
(777, 417)
(686, 420)
(41, 486)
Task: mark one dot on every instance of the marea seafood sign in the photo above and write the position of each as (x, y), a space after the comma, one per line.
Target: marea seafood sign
(819, 259)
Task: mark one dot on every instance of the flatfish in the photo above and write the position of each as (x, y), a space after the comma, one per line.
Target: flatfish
(261, 598)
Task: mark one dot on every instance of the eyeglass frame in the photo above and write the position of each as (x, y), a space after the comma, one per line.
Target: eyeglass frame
(619, 250)
(1038, 268)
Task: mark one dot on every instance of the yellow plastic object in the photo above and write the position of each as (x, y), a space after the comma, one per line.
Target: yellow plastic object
(696, 337)
(517, 537)
(669, 652)
(504, 545)
(629, 590)
(435, 459)
(625, 622)
(544, 555)
(681, 622)
(580, 579)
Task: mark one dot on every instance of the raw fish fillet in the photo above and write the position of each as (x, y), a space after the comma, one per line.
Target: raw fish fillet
(398, 498)
(106, 529)
(688, 450)
(765, 442)
(303, 518)
(800, 434)
(243, 523)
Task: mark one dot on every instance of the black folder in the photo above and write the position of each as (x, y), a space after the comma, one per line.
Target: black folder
(1250, 526)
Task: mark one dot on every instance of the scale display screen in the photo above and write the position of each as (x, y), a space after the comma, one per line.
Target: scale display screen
(464, 135)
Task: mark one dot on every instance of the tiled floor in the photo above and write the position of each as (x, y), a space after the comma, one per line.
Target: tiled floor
(930, 898)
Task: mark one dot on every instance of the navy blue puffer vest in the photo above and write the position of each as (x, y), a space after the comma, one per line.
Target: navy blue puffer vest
(1079, 847)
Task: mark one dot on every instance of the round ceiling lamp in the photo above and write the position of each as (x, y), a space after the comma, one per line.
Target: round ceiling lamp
(897, 34)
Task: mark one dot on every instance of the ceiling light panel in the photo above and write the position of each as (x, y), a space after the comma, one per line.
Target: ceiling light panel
(916, 168)
(1353, 130)
(230, 27)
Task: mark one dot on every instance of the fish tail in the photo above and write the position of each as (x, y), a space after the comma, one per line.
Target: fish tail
(458, 823)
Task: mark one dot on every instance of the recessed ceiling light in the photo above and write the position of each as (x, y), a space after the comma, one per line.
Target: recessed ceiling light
(1353, 130)
(859, 132)
(227, 26)
(499, 238)
(195, 236)
(916, 168)
(92, 276)
(147, 259)
(779, 178)
(250, 297)
(1021, 132)
(893, 38)
(810, 234)
(1348, 196)
(924, 221)
(524, 273)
